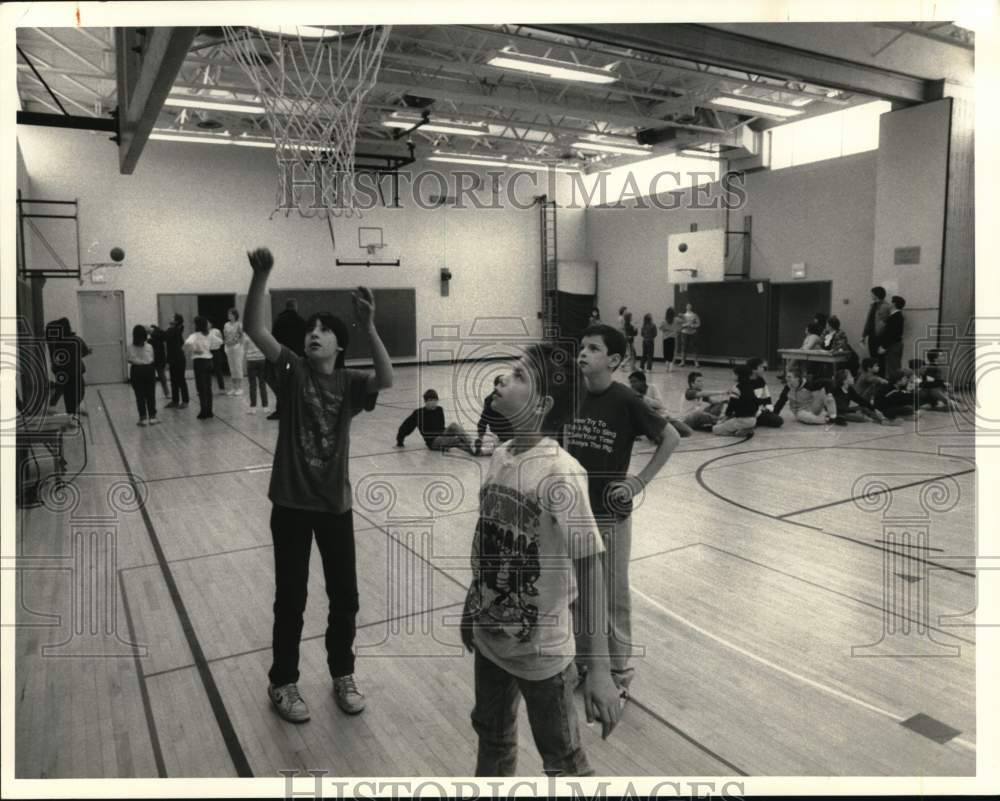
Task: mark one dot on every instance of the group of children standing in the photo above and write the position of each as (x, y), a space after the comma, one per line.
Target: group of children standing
(153, 350)
(679, 333)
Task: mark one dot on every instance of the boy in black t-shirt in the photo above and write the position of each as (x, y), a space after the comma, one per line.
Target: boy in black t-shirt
(310, 488)
(429, 420)
(608, 419)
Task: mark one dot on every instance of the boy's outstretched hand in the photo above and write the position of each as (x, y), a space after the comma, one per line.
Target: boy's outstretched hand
(261, 260)
(364, 306)
(602, 700)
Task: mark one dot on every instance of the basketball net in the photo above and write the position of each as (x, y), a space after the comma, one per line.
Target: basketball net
(313, 92)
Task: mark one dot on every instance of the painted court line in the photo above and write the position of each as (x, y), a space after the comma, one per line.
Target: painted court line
(783, 670)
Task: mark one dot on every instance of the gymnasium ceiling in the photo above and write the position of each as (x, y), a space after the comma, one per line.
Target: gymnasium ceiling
(668, 100)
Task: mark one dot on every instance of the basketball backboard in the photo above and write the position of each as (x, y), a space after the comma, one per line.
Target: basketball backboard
(696, 257)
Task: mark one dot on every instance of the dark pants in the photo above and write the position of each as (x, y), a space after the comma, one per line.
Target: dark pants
(551, 713)
(203, 384)
(72, 387)
(143, 380)
(161, 377)
(669, 346)
(218, 366)
(257, 376)
(292, 532)
(893, 359)
(770, 420)
(647, 355)
(178, 383)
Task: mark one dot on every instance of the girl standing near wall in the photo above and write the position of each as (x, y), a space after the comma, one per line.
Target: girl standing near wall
(669, 329)
(690, 324)
(199, 347)
(142, 375)
(232, 336)
(648, 340)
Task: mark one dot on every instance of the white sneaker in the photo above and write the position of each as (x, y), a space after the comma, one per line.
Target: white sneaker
(238, 392)
(252, 410)
(349, 696)
(154, 421)
(230, 392)
(288, 703)
(142, 422)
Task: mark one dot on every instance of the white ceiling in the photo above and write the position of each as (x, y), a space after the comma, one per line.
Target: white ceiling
(443, 69)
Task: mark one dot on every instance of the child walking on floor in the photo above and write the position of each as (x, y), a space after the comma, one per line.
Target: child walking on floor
(536, 547)
(310, 488)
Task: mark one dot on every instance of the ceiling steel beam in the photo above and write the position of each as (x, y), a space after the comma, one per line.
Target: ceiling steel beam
(147, 65)
(726, 49)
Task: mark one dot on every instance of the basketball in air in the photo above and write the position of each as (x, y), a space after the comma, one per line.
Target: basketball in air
(117, 254)
(682, 247)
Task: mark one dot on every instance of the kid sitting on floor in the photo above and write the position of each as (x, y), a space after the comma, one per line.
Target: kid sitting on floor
(429, 419)
(651, 394)
(701, 409)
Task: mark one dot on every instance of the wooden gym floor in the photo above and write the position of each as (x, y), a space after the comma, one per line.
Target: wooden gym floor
(772, 644)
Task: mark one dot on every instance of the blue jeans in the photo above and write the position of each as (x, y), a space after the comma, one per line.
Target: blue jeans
(551, 712)
(617, 538)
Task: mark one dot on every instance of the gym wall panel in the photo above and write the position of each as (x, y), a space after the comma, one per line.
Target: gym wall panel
(734, 317)
(912, 174)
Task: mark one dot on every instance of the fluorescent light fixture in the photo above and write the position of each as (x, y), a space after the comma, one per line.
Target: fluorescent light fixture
(247, 142)
(437, 126)
(213, 105)
(533, 165)
(179, 137)
(612, 147)
(457, 158)
(700, 154)
(305, 31)
(799, 102)
(757, 107)
(551, 68)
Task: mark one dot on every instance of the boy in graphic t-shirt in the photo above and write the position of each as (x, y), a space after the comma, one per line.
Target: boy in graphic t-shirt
(310, 488)
(609, 418)
(536, 545)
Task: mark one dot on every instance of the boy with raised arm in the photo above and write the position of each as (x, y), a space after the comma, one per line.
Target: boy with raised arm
(310, 488)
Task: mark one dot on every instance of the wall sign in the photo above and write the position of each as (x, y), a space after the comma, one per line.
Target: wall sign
(909, 255)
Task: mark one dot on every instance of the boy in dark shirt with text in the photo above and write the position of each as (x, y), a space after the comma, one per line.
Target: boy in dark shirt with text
(310, 487)
(610, 416)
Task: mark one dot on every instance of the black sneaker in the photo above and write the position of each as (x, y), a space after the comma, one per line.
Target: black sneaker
(288, 703)
(272, 416)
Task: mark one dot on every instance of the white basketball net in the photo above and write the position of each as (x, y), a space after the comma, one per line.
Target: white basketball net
(313, 92)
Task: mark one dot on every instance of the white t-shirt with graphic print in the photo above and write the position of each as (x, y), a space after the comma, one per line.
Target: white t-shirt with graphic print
(534, 520)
